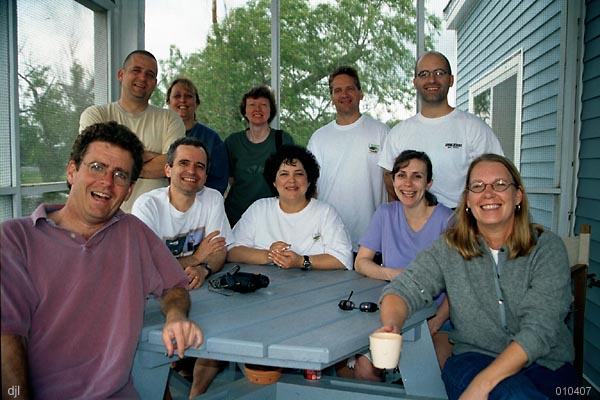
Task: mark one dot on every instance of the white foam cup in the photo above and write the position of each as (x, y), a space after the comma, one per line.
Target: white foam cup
(385, 349)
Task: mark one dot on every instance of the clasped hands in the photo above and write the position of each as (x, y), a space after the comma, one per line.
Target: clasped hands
(280, 254)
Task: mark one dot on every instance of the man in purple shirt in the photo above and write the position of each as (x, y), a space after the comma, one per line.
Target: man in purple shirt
(75, 279)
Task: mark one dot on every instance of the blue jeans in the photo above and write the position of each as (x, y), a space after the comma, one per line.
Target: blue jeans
(531, 383)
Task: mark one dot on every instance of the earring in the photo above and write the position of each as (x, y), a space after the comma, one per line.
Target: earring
(518, 208)
(467, 210)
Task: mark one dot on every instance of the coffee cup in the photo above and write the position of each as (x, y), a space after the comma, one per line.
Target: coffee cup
(385, 349)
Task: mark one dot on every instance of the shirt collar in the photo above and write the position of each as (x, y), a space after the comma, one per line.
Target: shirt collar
(43, 210)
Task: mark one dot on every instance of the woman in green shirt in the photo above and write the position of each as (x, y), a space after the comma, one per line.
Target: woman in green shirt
(249, 149)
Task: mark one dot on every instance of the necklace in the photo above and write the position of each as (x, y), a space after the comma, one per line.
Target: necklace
(258, 137)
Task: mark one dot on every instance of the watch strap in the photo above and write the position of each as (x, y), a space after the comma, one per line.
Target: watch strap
(307, 264)
(207, 268)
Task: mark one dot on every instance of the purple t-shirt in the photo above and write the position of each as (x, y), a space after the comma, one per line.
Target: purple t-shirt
(390, 234)
(80, 304)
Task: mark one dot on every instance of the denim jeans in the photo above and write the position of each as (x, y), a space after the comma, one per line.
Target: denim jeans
(531, 383)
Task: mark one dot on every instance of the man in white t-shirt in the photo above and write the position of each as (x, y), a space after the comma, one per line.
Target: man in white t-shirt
(347, 150)
(451, 138)
(190, 219)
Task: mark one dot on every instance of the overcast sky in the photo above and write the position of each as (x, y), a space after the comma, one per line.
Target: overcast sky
(187, 25)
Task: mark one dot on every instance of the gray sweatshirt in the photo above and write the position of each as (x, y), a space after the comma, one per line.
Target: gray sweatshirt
(524, 299)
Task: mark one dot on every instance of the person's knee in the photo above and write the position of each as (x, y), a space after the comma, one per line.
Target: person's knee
(207, 363)
(516, 387)
(460, 370)
(364, 370)
(443, 348)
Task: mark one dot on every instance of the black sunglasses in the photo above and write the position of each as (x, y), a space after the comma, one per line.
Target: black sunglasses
(348, 305)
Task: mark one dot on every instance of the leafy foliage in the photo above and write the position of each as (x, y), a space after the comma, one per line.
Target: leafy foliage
(377, 37)
(49, 119)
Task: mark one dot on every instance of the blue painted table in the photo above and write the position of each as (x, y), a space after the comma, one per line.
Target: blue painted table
(293, 323)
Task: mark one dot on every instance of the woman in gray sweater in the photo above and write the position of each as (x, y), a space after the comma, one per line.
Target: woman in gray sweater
(508, 283)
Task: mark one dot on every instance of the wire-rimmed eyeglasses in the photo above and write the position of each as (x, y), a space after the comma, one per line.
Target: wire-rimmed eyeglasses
(348, 305)
(438, 73)
(99, 171)
(498, 186)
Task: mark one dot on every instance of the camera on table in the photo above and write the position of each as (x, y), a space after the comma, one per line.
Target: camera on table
(241, 282)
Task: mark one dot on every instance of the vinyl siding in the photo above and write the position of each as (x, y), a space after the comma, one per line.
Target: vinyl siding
(490, 32)
(588, 190)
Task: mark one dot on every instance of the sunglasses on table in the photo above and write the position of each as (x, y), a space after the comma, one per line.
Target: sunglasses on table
(348, 305)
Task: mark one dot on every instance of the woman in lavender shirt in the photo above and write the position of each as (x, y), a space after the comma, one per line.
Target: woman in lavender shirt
(398, 231)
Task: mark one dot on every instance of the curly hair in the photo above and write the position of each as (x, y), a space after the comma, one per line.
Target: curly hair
(258, 92)
(290, 154)
(115, 134)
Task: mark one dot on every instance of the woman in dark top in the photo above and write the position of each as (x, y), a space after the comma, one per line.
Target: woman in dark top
(248, 150)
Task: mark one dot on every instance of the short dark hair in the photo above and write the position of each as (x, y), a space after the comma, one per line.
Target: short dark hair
(115, 134)
(403, 160)
(437, 53)
(186, 141)
(260, 91)
(188, 84)
(287, 154)
(141, 52)
(344, 70)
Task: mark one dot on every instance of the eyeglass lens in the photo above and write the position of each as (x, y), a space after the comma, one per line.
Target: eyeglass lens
(437, 73)
(498, 186)
(348, 305)
(100, 170)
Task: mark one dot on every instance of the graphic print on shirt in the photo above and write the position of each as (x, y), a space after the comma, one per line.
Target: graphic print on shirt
(186, 243)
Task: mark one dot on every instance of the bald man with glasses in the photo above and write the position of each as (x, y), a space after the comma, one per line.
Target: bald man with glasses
(452, 138)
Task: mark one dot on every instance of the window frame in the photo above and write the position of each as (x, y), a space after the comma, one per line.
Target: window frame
(512, 66)
(103, 26)
(118, 29)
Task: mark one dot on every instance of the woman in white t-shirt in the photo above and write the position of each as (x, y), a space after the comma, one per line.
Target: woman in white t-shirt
(292, 230)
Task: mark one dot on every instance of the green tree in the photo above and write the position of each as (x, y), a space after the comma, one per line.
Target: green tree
(49, 119)
(377, 37)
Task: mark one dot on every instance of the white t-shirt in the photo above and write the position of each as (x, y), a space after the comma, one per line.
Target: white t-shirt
(317, 229)
(451, 142)
(350, 179)
(156, 127)
(183, 231)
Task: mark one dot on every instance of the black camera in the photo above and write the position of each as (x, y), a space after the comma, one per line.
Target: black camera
(241, 282)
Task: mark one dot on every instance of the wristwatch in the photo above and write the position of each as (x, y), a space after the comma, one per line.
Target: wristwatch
(306, 265)
(207, 268)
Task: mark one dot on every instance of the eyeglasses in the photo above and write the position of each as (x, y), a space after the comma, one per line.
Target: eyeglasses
(499, 186)
(438, 73)
(348, 305)
(99, 171)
